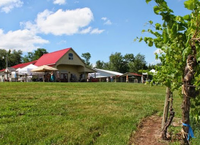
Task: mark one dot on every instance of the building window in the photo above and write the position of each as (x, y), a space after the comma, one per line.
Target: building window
(70, 56)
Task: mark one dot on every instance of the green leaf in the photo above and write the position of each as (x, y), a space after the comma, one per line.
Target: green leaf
(143, 31)
(186, 17)
(159, 1)
(150, 22)
(147, 1)
(190, 4)
(150, 44)
(156, 10)
(165, 37)
(146, 39)
(140, 39)
(198, 59)
(156, 56)
(158, 26)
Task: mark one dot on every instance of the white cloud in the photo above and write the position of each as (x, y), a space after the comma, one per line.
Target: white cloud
(59, 2)
(7, 5)
(158, 51)
(104, 18)
(85, 31)
(96, 31)
(107, 21)
(24, 40)
(156, 61)
(62, 42)
(61, 22)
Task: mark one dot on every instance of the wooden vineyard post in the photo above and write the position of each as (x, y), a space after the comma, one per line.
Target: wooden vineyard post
(168, 109)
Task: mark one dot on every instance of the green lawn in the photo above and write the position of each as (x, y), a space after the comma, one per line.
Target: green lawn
(76, 113)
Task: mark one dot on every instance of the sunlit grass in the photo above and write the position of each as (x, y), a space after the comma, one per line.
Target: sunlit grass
(75, 113)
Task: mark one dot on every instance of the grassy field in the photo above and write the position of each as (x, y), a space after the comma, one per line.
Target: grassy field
(76, 113)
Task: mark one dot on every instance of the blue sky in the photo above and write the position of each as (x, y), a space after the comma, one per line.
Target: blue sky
(100, 27)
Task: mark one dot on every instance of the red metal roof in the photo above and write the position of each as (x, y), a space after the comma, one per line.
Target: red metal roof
(51, 58)
(2, 70)
(135, 74)
(21, 65)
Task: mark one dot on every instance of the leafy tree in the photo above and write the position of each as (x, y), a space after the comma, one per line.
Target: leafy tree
(28, 57)
(120, 63)
(13, 58)
(177, 37)
(31, 56)
(86, 59)
(129, 58)
(139, 63)
(107, 66)
(117, 63)
(3, 54)
(100, 64)
(38, 53)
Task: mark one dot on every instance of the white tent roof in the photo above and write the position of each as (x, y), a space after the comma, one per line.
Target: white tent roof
(27, 69)
(101, 73)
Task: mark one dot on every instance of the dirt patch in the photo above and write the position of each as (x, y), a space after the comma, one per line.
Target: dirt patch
(148, 133)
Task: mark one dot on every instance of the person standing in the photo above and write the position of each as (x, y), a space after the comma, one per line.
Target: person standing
(52, 77)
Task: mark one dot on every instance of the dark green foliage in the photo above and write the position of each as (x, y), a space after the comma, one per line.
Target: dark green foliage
(86, 59)
(127, 63)
(31, 56)
(13, 58)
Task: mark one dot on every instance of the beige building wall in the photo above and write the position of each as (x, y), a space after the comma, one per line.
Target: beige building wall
(66, 60)
(71, 64)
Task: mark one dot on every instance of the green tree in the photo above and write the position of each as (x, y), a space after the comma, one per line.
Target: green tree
(117, 63)
(38, 53)
(100, 64)
(3, 54)
(13, 58)
(139, 63)
(31, 56)
(86, 59)
(129, 58)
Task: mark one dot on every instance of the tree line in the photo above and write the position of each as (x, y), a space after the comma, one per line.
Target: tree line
(15, 57)
(120, 63)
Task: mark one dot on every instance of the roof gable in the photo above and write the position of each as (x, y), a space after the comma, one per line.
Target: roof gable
(76, 60)
(51, 58)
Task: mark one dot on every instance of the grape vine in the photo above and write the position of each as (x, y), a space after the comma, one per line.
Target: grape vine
(176, 37)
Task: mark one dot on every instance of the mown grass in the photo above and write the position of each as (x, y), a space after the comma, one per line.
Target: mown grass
(76, 113)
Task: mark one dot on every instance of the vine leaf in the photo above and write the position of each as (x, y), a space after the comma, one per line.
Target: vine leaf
(190, 4)
(147, 1)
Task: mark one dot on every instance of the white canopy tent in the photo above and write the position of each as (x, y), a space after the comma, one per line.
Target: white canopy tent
(27, 70)
(26, 74)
